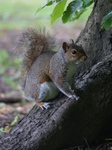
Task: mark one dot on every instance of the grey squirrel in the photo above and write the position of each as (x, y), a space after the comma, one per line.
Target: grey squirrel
(44, 72)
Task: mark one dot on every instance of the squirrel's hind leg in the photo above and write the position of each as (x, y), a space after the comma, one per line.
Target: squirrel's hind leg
(47, 92)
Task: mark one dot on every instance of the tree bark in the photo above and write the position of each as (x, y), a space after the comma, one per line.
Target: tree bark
(68, 122)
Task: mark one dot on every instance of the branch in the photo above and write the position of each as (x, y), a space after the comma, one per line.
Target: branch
(12, 97)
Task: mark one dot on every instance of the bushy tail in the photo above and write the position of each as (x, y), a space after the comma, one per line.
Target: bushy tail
(33, 42)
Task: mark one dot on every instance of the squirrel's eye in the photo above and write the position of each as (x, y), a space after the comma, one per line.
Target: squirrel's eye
(74, 52)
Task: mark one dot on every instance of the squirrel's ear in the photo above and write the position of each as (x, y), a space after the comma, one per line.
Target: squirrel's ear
(72, 41)
(65, 46)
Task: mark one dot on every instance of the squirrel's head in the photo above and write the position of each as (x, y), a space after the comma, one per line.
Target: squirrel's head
(73, 52)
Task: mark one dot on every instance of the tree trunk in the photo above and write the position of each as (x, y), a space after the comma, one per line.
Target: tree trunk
(67, 123)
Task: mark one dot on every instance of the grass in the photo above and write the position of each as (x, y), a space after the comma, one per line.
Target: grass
(8, 68)
(21, 13)
(4, 65)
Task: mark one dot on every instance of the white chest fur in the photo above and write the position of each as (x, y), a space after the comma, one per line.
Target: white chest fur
(71, 72)
(48, 91)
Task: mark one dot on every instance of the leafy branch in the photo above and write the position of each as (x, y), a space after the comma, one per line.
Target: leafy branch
(70, 13)
(73, 11)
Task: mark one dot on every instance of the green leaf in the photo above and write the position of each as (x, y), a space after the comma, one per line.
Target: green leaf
(87, 2)
(14, 121)
(48, 3)
(73, 11)
(107, 21)
(1, 130)
(58, 11)
(58, 1)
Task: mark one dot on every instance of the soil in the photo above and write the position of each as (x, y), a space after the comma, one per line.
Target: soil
(9, 110)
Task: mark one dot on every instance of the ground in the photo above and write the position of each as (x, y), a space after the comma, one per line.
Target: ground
(8, 92)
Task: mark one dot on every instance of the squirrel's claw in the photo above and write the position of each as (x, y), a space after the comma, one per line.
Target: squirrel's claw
(45, 106)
